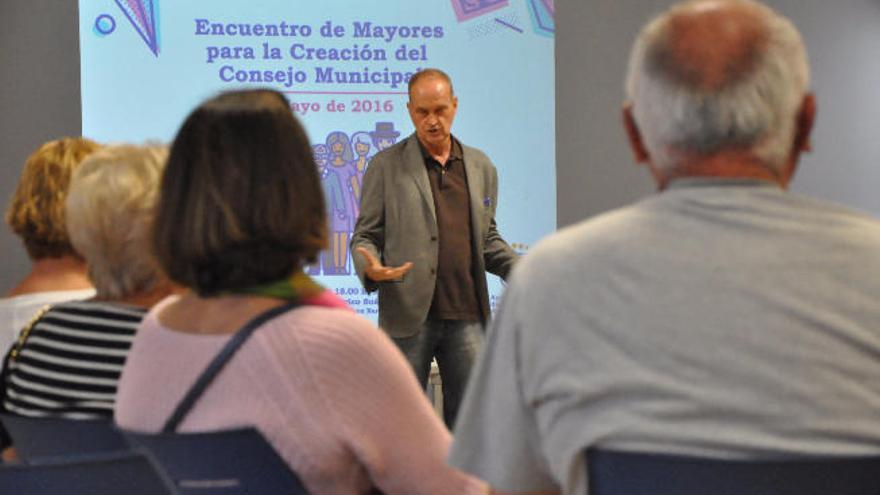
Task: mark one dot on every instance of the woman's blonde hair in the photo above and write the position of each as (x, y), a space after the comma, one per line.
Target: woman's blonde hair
(36, 211)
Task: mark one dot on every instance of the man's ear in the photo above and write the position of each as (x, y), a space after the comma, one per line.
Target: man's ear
(801, 143)
(635, 137)
(804, 125)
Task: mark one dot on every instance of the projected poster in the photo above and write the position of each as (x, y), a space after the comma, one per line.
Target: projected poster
(344, 66)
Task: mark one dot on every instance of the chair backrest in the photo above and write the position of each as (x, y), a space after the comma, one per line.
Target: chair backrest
(108, 473)
(51, 437)
(225, 462)
(623, 473)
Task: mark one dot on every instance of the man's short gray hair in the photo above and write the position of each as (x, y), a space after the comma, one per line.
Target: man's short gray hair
(754, 106)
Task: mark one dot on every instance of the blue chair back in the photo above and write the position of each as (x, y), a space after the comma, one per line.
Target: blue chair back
(627, 473)
(226, 462)
(109, 473)
(51, 437)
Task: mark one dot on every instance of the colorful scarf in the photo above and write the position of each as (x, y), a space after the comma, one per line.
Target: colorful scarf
(299, 287)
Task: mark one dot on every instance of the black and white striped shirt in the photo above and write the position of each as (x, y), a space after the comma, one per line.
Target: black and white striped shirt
(70, 364)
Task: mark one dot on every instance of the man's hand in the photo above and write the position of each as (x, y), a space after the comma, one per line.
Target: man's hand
(377, 272)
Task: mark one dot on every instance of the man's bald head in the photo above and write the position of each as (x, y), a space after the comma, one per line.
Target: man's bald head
(708, 48)
(709, 75)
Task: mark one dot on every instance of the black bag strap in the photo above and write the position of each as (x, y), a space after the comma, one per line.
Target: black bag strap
(219, 362)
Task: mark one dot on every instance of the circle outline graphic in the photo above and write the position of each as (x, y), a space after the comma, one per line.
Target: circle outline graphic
(99, 27)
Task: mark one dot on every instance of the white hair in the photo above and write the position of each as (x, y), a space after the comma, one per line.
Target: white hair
(109, 217)
(754, 109)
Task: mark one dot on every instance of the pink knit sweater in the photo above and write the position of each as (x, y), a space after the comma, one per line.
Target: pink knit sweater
(327, 388)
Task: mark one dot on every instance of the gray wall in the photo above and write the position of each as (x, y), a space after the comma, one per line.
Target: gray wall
(595, 170)
(39, 100)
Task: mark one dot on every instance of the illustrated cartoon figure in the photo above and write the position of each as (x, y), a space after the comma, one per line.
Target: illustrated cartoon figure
(384, 135)
(363, 145)
(334, 198)
(342, 166)
(322, 156)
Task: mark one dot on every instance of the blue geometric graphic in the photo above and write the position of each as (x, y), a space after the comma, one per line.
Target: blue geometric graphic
(542, 14)
(142, 15)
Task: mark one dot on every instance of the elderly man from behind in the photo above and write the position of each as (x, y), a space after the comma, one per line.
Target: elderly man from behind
(723, 317)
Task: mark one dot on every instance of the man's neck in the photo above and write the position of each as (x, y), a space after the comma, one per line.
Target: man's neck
(440, 153)
(725, 165)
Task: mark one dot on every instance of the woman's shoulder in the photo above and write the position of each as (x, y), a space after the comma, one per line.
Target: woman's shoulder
(43, 298)
(94, 313)
(321, 319)
(339, 330)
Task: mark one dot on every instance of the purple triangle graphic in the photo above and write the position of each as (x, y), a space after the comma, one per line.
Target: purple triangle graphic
(150, 15)
(140, 14)
(137, 10)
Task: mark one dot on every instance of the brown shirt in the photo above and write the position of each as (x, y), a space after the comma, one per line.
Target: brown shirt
(455, 296)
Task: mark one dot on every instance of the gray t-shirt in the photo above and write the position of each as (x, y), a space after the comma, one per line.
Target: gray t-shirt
(717, 318)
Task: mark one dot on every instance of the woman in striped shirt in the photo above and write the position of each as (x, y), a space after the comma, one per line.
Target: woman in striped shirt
(69, 361)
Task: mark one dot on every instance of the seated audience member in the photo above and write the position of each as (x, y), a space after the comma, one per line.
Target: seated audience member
(723, 317)
(240, 213)
(68, 362)
(36, 214)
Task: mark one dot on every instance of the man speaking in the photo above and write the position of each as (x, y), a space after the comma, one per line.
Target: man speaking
(425, 237)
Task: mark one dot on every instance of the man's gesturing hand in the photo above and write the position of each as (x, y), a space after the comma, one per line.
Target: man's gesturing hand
(377, 272)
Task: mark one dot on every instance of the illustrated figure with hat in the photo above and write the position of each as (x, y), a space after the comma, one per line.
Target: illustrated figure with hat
(384, 135)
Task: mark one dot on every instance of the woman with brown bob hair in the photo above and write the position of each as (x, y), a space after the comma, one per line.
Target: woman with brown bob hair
(240, 212)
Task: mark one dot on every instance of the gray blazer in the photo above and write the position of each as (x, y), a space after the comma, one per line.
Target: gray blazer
(397, 223)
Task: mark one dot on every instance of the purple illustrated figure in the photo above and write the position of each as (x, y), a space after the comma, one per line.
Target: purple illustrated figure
(468, 9)
(342, 167)
(363, 150)
(384, 135)
(334, 197)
